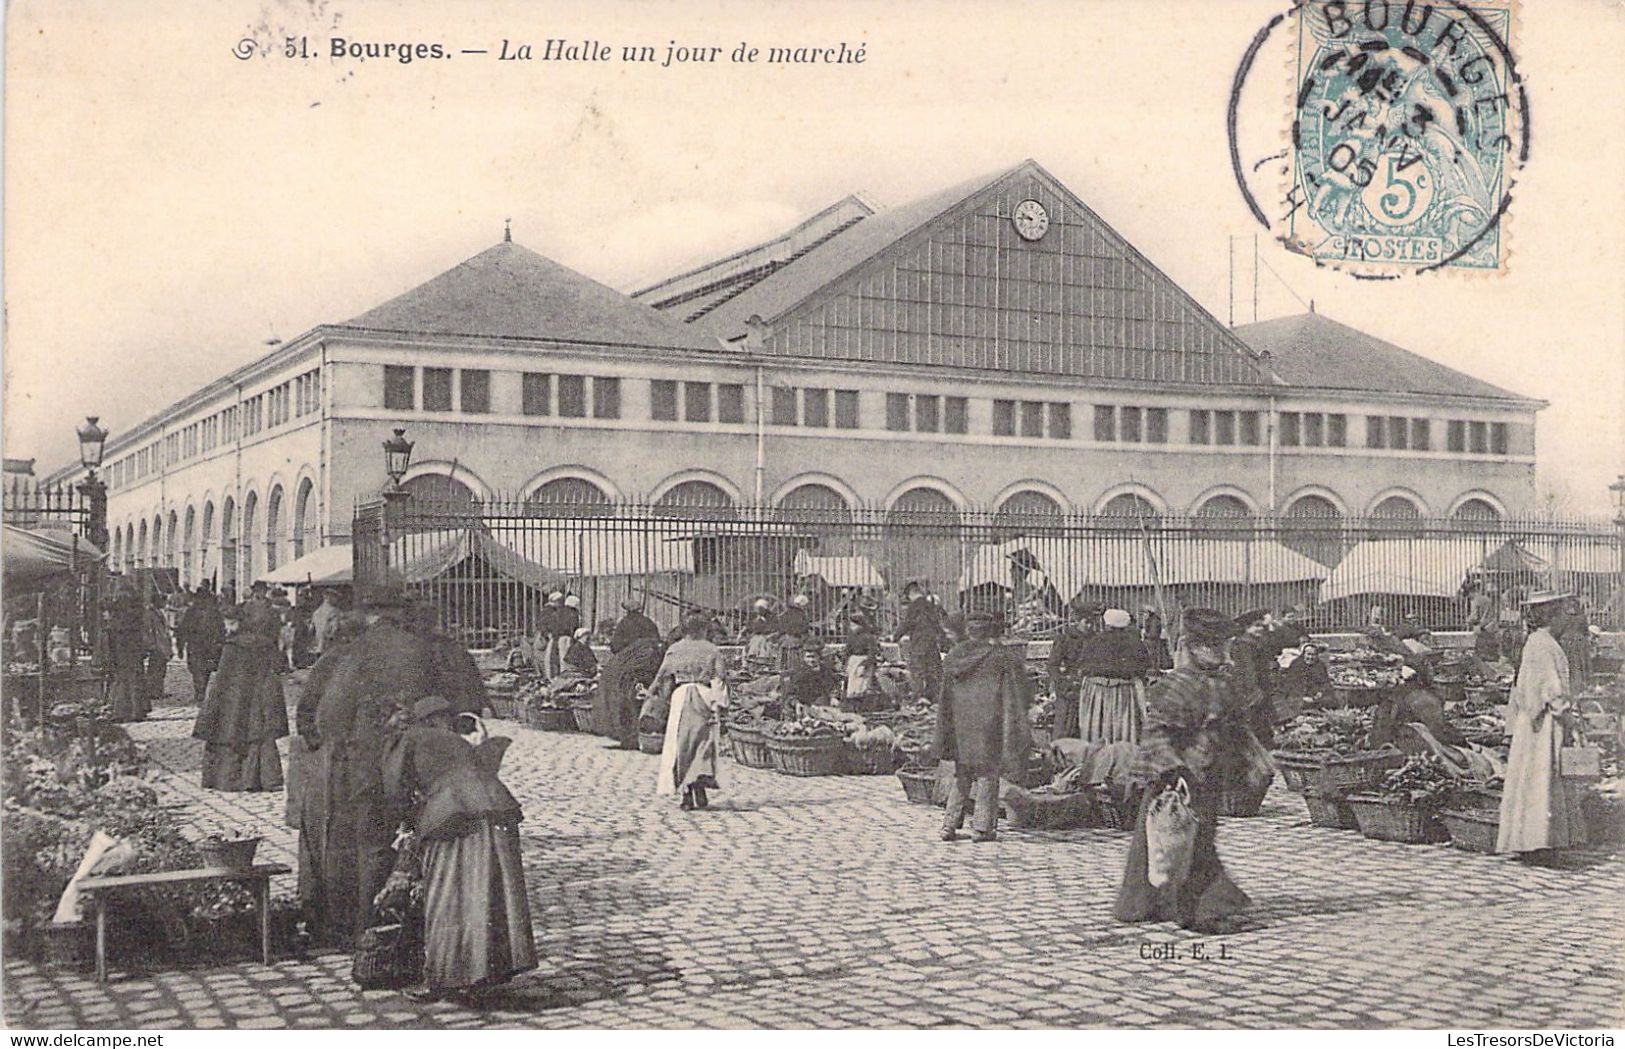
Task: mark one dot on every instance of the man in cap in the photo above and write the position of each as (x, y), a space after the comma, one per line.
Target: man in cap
(547, 631)
(633, 626)
(203, 632)
(920, 635)
(1196, 739)
(792, 628)
(1539, 808)
(982, 724)
(566, 621)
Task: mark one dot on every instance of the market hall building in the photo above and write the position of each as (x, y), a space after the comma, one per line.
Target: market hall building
(996, 344)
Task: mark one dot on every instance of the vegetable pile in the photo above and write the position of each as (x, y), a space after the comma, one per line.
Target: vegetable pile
(1342, 732)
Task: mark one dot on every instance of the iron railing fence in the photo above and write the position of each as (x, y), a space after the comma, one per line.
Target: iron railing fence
(488, 567)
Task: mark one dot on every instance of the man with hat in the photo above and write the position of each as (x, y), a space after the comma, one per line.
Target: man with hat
(920, 635)
(634, 626)
(982, 724)
(1539, 809)
(547, 631)
(1196, 735)
(792, 628)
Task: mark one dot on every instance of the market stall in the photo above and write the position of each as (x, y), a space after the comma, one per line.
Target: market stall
(51, 584)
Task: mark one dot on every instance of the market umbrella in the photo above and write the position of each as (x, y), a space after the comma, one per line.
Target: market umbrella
(31, 555)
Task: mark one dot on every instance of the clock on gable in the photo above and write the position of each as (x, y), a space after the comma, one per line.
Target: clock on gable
(1031, 220)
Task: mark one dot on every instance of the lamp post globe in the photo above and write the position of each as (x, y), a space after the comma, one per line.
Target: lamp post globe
(397, 457)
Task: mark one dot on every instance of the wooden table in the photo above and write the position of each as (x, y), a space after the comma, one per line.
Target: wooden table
(99, 888)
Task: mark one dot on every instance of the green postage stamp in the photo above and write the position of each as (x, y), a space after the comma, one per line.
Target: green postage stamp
(1409, 125)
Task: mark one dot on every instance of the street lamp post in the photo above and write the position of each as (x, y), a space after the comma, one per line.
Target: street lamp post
(397, 459)
(92, 439)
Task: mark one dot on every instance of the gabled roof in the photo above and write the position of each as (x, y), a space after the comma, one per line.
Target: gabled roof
(852, 246)
(1312, 351)
(509, 291)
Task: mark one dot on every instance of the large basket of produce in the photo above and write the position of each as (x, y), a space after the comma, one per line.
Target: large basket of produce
(1355, 772)
(1048, 808)
(750, 747)
(1298, 767)
(919, 784)
(808, 755)
(1385, 818)
(504, 707)
(872, 751)
(651, 742)
(1242, 801)
(388, 956)
(1472, 829)
(550, 719)
(1333, 813)
(581, 709)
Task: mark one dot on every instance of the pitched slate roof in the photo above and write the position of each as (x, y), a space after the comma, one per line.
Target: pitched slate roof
(852, 246)
(1313, 351)
(511, 292)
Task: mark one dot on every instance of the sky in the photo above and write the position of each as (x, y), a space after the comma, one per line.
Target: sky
(170, 207)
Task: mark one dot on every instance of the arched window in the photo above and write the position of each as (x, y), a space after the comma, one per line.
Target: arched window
(188, 542)
(157, 548)
(129, 547)
(700, 500)
(205, 540)
(1396, 516)
(228, 544)
(305, 526)
(172, 541)
(814, 504)
(273, 529)
(1477, 512)
(251, 506)
(568, 497)
(1313, 526)
(141, 547)
(922, 539)
(1131, 508)
(438, 501)
(1027, 512)
(1225, 517)
(117, 552)
(1223, 506)
(923, 506)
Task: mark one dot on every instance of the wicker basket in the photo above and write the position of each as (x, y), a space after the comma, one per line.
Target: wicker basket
(1330, 812)
(551, 719)
(581, 710)
(69, 946)
(871, 761)
(505, 707)
(651, 742)
(1338, 776)
(919, 785)
(1384, 819)
(388, 956)
(1472, 829)
(1298, 767)
(1243, 801)
(750, 747)
(1053, 811)
(821, 756)
(235, 855)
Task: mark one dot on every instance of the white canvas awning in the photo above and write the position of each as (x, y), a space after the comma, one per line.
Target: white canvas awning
(39, 553)
(329, 566)
(855, 570)
(1075, 564)
(1426, 567)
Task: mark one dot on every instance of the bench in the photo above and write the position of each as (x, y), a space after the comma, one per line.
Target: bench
(100, 888)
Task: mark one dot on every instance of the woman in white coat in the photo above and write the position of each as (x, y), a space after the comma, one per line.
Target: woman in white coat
(1539, 812)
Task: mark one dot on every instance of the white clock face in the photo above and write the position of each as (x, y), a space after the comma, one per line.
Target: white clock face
(1031, 219)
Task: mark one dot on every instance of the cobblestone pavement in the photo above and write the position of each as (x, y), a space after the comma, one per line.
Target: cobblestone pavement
(830, 903)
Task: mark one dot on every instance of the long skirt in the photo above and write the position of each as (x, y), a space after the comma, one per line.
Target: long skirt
(1111, 711)
(1539, 809)
(242, 766)
(476, 918)
(689, 755)
(1204, 897)
(126, 693)
(1066, 710)
(759, 649)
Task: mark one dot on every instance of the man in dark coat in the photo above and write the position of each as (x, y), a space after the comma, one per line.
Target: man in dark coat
(203, 633)
(923, 641)
(126, 654)
(346, 822)
(1066, 656)
(634, 626)
(982, 724)
(1253, 671)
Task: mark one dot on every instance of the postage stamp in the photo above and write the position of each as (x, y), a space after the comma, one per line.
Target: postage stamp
(1409, 124)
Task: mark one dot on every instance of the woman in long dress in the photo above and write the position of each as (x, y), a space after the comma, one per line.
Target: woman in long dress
(244, 713)
(688, 759)
(465, 842)
(1196, 732)
(1539, 812)
(1112, 696)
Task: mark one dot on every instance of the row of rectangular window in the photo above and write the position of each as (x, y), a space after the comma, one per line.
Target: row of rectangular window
(927, 413)
(1130, 424)
(701, 401)
(1052, 419)
(1477, 437)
